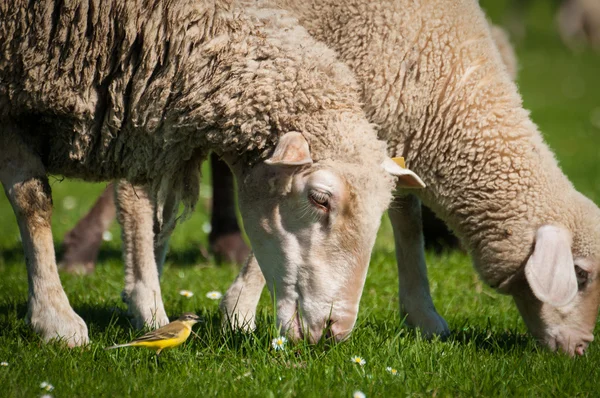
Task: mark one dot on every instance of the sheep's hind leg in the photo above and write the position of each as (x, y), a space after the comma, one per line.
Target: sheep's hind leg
(83, 242)
(415, 299)
(240, 301)
(24, 179)
(225, 237)
(135, 212)
(163, 228)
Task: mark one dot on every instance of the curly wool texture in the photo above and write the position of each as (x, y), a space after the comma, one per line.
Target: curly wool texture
(434, 81)
(143, 89)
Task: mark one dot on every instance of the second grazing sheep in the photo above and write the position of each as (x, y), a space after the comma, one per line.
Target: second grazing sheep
(435, 84)
(142, 91)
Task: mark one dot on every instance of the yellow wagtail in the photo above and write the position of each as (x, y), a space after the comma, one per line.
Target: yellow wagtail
(168, 336)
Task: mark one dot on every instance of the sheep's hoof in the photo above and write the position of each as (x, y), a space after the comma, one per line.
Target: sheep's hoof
(430, 324)
(146, 308)
(236, 320)
(59, 323)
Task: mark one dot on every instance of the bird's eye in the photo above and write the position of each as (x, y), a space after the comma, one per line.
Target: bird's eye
(320, 200)
(582, 276)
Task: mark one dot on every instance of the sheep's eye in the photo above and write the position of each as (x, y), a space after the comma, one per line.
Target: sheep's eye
(582, 275)
(320, 199)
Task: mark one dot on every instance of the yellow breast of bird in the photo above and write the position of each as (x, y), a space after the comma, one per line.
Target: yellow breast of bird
(168, 336)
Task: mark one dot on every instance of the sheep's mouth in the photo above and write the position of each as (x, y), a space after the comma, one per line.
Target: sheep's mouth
(573, 346)
(296, 329)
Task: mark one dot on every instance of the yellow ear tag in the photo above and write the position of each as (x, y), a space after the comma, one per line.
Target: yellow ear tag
(399, 161)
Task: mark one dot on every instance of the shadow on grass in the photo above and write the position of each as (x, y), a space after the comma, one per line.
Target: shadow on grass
(101, 318)
(188, 257)
(493, 341)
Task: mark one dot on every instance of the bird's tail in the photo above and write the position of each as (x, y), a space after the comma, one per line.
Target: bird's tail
(118, 346)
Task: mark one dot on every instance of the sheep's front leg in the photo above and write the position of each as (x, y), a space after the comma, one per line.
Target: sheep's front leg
(240, 301)
(415, 299)
(135, 212)
(26, 185)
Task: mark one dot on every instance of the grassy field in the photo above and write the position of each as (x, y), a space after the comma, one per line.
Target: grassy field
(489, 352)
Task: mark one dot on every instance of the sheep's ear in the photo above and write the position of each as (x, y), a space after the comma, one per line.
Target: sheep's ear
(550, 270)
(406, 178)
(291, 150)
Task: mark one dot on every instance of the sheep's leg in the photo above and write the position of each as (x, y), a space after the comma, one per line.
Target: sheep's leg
(225, 238)
(82, 243)
(24, 179)
(240, 301)
(135, 212)
(163, 229)
(415, 299)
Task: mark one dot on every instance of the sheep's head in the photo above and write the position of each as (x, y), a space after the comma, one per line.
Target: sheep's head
(312, 226)
(560, 292)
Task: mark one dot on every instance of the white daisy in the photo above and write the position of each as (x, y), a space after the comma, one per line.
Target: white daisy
(278, 343)
(358, 394)
(186, 293)
(392, 371)
(107, 236)
(46, 386)
(358, 360)
(214, 295)
(206, 227)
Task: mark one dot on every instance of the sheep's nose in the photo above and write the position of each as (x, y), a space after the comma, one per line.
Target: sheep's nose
(580, 348)
(575, 343)
(331, 330)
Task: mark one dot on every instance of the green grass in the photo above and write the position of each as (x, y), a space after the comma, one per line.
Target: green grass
(489, 352)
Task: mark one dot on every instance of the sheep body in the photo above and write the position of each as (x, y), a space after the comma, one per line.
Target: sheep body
(450, 109)
(435, 84)
(142, 91)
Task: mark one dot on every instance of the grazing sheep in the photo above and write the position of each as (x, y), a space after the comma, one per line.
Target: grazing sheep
(142, 91)
(434, 82)
(82, 243)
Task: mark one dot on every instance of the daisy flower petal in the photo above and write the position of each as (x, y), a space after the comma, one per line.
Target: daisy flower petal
(46, 386)
(186, 293)
(392, 371)
(358, 394)
(214, 295)
(278, 343)
(358, 360)
(3, 363)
